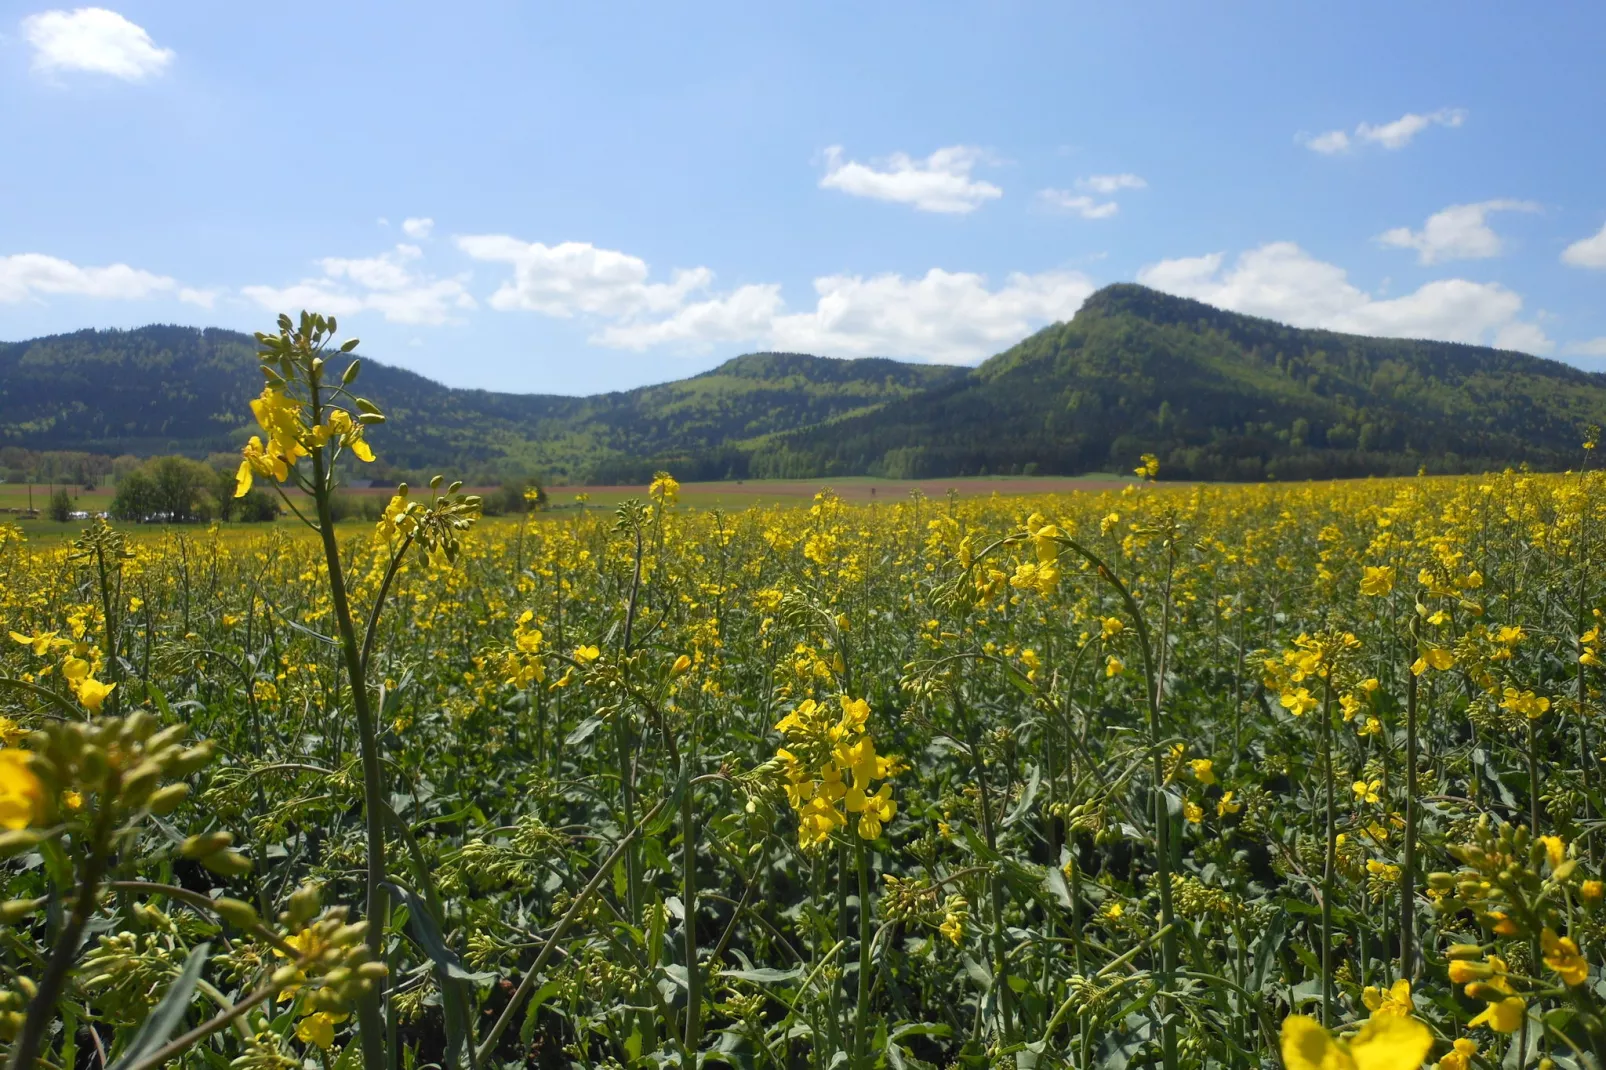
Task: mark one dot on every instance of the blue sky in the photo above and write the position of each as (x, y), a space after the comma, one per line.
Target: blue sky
(575, 198)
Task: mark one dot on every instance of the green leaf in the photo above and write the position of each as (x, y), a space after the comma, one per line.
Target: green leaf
(154, 1030)
(583, 731)
(764, 975)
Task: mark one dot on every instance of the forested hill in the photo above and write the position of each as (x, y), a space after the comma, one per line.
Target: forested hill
(167, 389)
(1214, 394)
(1217, 395)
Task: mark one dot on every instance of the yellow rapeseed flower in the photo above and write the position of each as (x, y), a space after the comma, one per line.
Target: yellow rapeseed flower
(22, 796)
(1387, 1042)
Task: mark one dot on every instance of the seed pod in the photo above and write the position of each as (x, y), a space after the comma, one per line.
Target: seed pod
(166, 800)
(227, 863)
(1441, 881)
(190, 760)
(349, 934)
(303, 906)
(139, 784)
(286, 975)
(1464, 951)
(138, 726)
(236, 912)
(204, 844)
(92, 765)
(14, 910)
(165, 738)
(1565, 870)
(373, 971)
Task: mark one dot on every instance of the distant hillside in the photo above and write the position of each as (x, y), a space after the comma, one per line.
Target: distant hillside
(1215, 394)
(171, 389)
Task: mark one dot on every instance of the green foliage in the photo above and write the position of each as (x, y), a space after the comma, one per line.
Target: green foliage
(60, 508)
(170, 489)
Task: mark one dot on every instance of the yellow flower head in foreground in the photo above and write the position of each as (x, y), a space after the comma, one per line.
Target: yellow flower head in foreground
(1527, 703)
(1377, 580)
(1204, 770)
(1562, 955)
(1396, 1000)
(664, 489)
(319, 1028)
(1389, 1042)
(1149, 468)
(22, 796)
(1459, 1057)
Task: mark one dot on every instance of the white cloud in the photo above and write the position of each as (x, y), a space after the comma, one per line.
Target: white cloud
(949, 317)
(1330, 143)
(93, 39)
(1587, 252)
(1594, 347)
(387, 284)
(1394, 135)
(577, 277)
(745, 314)
(1108, 184)
(1398, 134)
(1460, 232)
(1064, 200)
(939, 183)
(418, 227)
(1283, 282)
(32, 276)
(941, 316)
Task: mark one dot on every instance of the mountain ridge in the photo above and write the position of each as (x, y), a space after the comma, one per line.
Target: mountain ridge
(1215, 394)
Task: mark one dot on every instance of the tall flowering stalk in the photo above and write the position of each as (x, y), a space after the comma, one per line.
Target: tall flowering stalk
(304, 415)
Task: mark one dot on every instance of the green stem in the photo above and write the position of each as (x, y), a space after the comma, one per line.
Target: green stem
(370, 1017)
(1329, 854)
(861, 1014)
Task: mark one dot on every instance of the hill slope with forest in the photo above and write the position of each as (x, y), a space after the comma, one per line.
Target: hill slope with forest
(166, 389)
(1216, 395)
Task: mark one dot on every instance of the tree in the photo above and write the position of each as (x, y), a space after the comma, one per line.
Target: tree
(176, 490)
(60, 509)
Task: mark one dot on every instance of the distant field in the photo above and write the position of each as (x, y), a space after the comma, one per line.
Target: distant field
(14, 497)
(738, 494)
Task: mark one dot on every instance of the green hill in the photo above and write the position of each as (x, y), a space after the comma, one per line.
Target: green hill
(166, 389)
(1215, 394)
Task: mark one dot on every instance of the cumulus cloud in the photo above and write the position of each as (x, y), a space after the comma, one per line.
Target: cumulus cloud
(939, 183)
(577, 277)
(93, 39)
(1283, 282)
(390, 284)
(33, 276)
(1064, 200)
(1594, 347)
(418, 227)
(1394, 135)
(943, 316)
(1459, 232)
(952, 317)
(1587, 252)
